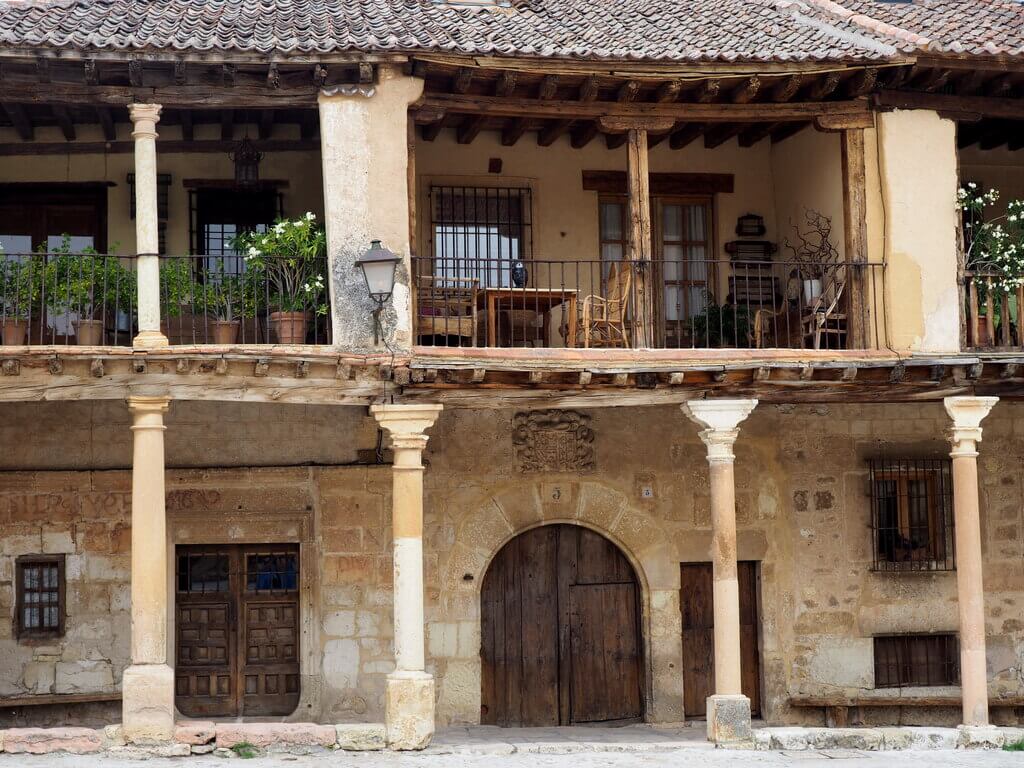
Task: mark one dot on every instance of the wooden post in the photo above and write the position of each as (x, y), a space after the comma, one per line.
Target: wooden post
(856, 241)
(640, 236)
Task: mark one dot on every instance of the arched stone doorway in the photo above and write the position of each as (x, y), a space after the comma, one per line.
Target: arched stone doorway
(560, 631)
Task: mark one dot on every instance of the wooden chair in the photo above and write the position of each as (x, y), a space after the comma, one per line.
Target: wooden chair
(602, 321)
(446, 308)
(825, 316)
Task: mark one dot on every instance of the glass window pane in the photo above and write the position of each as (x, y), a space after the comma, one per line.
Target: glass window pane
(30, 579)
(672, 222)
(11, 243)
(611, 221)
(50, 577)
(272, 571)
(51, 618)
(76, 243)
(208, 573)
(31, 618)
(696, 222)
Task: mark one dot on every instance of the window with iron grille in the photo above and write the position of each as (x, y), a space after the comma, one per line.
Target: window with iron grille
(480, 233)
(902, 661)
(912, 514)
(40, 596)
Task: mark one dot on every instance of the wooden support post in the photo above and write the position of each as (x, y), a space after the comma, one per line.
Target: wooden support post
(640, 236)
(855, 218)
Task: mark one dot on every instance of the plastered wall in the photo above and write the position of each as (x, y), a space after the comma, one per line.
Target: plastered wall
(802, 512)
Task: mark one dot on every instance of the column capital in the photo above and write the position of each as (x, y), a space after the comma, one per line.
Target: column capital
(145, 117)
(720, 419)
(406, 421)
(141, 404)
(967, 413)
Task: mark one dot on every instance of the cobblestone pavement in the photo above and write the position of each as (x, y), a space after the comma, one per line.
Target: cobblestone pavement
(689, 758)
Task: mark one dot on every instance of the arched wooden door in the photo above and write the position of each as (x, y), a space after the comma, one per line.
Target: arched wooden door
(560, 632)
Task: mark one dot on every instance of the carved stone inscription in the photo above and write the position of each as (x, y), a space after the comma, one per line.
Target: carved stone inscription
(553, 441)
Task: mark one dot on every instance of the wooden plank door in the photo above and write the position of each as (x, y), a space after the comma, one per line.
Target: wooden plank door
(560, 632)
(697, 608)
(236, 630)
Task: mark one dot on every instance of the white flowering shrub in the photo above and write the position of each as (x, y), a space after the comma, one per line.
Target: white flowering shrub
(995, 246)
(292, 255)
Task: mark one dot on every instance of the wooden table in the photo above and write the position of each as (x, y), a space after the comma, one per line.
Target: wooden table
(541, 300)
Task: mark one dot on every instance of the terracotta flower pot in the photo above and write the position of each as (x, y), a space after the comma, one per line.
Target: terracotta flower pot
(225, 331)
(289, 327)
(14, 332)
(88, 333)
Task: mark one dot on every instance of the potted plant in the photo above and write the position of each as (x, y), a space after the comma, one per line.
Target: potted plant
(20, 291)
(994, 252)
(813, 252)
(291, 258)
(90, 289)
(231, 296)
(721, 325)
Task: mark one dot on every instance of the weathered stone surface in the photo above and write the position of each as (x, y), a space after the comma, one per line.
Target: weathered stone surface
(148, 703)
(268, 734)
(195, 732)
(113, 736)
(409, 711)
(729, 720)
(39, 741)
(933, 738)
(789, 739)
(980, 737)
(361, 736)
(896, 738)
(202, 749)
(141, 752)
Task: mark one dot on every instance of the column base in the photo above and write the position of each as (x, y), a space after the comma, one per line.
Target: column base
(147, 703)
(729, 719)
(150, 340)
(409, 710)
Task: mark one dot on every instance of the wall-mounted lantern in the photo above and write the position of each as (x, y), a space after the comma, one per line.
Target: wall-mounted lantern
(378, 265)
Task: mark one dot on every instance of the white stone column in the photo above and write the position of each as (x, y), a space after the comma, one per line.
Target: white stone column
(728, 710)
(409, 701)
(365, 153)
(148, 684)
(967, 414)
(147, 225)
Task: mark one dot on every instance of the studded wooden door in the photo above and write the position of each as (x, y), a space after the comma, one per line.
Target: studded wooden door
(237, 630)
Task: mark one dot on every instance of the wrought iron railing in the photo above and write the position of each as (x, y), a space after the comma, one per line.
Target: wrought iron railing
(694, 303)
(92, 299)
(991, 311)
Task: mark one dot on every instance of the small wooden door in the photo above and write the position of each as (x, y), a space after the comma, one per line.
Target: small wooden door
(237, 630)
(560, 624)
(697, 605)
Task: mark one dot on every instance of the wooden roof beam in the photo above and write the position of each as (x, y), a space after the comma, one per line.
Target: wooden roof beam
(708, 91)
(783, 131)
(21, 121)
(752, 134)
(686, 135)
(861, 83)
(588, 92)
(135, 75)
(187, 130)
(1001, 86)
(986, 106)
(628, 92)
(227, 124)
(583, 135)
(787, 87)
(462, 80)
(470, 129)
(720, 134)
(90, 73)
(515, 129)
(266, 127)
(823, 86)
(746, 91)
(669, 91)
(273, 76)
(106, 120)
(64, 121)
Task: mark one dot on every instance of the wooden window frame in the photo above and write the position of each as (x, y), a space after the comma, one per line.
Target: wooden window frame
(44, 195)
(907, 675)
(30, 561)
(938, 475)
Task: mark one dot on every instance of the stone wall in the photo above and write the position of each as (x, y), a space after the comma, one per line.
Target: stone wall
(802, 508)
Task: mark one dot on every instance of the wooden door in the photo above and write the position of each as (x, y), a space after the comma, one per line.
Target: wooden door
(236, 630)
(697, 607)
(560, 624)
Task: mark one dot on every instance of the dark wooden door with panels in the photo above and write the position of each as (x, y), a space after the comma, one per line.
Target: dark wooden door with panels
(237, 630)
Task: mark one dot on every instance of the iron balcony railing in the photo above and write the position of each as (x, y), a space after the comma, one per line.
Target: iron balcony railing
(92, 299)
(659, 304)
(991, 310)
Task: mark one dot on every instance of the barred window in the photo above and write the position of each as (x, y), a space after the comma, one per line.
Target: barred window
(916, 660)
(912, 515)
(40, 596)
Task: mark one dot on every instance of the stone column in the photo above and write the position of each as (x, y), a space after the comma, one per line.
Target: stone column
(365, 154)
(409, 700)
(967, 414)
(728, 709)
(148, 684)
(147, 225)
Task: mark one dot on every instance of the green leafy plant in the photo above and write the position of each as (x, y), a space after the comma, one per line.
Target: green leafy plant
(721, 326)
(291, 256)
(994, 245)
(245, 750)
(21, 283)
(88, 283)
(1014, 746)
(177, 285)
(229, 295)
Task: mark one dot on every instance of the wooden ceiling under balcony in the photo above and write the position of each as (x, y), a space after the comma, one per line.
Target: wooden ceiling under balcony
(519, 99)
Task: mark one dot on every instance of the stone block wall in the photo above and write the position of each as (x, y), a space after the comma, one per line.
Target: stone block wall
(802, 506)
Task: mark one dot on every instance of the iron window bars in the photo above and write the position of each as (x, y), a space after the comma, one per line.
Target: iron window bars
(912, 514)
(908, 660)
(40, 596)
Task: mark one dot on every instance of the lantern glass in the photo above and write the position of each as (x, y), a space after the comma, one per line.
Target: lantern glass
(247, 164)
(378, 265)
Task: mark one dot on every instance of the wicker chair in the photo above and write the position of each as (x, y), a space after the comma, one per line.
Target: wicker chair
(602, 321)
(446, 309)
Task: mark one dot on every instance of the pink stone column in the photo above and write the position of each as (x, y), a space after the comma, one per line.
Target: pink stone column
(967, 414)
(728, 711)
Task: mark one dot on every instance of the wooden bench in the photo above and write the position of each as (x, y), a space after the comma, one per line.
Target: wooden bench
(838, 708)
(37, 700)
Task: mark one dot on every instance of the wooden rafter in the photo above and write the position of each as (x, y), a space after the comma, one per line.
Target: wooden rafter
(227, 124)
(752, 134)
(861, 83)
(787, 87)
(187, 131)
(266, 126)
(746, 91)
(64, 121)
(516, 128)
(823, 86)
(686, 135)
(784, 130)
(106, 121)
(985, 106)
(720, 134)
(20, 120)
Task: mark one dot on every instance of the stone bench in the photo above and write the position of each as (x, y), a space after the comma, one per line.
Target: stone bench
(838, 712)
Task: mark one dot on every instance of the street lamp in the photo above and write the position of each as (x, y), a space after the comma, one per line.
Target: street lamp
(378, 265)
